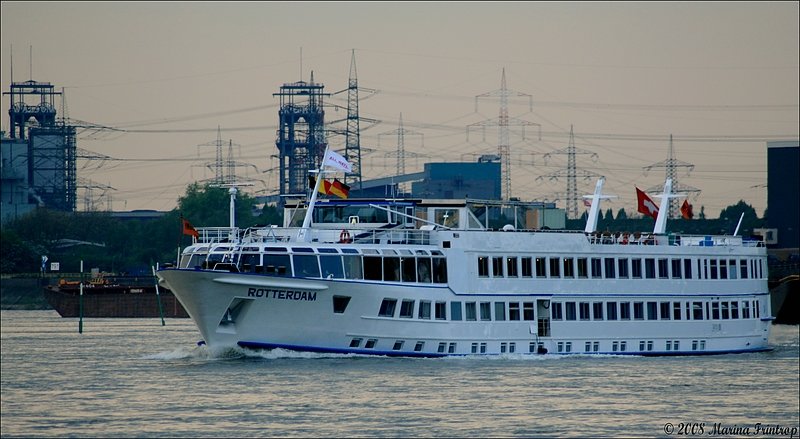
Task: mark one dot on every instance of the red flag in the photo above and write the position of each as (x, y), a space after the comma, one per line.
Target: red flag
(686, 210)
(646, 205)
(188, 229)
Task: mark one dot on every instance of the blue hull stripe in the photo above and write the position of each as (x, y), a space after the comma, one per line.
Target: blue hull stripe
(268, 346)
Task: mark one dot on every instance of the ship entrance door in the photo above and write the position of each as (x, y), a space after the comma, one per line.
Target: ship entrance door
(543, 317)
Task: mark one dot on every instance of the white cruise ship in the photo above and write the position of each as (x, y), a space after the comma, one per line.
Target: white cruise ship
(430, 279)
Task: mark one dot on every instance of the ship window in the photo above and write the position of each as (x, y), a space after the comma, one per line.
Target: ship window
(391, 269)
(305, 266)
(441, 348)
(388, 252)
(665, 310)
(387, 308)
(570, 310)
(569, 267)
(277, 264)
(687, 268)
(638, 310)
(474, 348)
(609, 262)
(622, 268)
(650, 345)
(641, 345)
(636, 268)
(652, 311)
(483, 266)
(527, 267)
(302, 250)
(583, 308)
(440, 270)
(713, 269)
(340, 304)
(424, 309)
(471, 311)
(511, 267)
(587, 347)
(697, 310)
(373, 268)
(497, 266)
(499, 311)
(583, 270)
(676, 269)
(424, 270)
(397, 345)
(715, 310)
(441, 310)
(611, 310)
(486, 311)
(421, 252)
(597, 310)
(249, 261)
(418, 347)
(409, 269)
(370, 251)
(650, 268)
(331, 267)
(662, 269)
(732, 269)
(743, 268)
(327, 250)
(725, 315)
(352, 267)
(555, 264)
(371, 343)
(455, 310)
(513, 311)
(356, 342)
(745, 309)
(596, 268)
(452, 348)
(407, 309)
(555, 311)
(527, 311)
(624, 310)
(275, 249)
(541, 270)
(676, 310)
(483, 348)
(350, 250)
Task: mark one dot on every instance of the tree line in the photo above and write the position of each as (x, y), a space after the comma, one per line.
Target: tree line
(117, 245)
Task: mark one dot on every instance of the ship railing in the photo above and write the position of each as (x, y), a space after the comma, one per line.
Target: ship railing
(394, 236)
(638, 238)
(213, 235)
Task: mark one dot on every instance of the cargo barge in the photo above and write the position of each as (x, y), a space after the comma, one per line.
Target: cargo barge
(113, 297)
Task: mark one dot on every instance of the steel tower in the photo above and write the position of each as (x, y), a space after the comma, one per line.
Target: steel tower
(301, 134)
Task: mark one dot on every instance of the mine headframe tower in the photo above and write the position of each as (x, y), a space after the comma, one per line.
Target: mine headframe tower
(301, 134)
(52, 149)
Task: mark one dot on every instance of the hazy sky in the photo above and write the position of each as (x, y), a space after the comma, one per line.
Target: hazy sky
(721, 77)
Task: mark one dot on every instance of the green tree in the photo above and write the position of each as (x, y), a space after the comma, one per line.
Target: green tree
(621, 215)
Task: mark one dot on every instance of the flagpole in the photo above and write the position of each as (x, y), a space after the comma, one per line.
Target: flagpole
(302, 234)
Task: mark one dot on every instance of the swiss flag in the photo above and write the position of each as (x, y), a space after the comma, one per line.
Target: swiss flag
(646, 205)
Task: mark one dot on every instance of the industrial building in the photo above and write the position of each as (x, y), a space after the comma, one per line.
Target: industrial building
(783, 185)
(38, 154)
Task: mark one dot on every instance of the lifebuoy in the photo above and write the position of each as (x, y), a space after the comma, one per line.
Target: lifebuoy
(344, 237)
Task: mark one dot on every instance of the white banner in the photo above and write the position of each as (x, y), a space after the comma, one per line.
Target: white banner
(335, 160)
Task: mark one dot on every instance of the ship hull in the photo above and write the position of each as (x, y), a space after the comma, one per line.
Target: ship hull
(257, 311)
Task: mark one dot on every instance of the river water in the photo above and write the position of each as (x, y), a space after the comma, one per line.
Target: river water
(137, 378)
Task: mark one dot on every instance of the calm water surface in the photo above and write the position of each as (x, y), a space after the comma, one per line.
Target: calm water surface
(134, 377)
